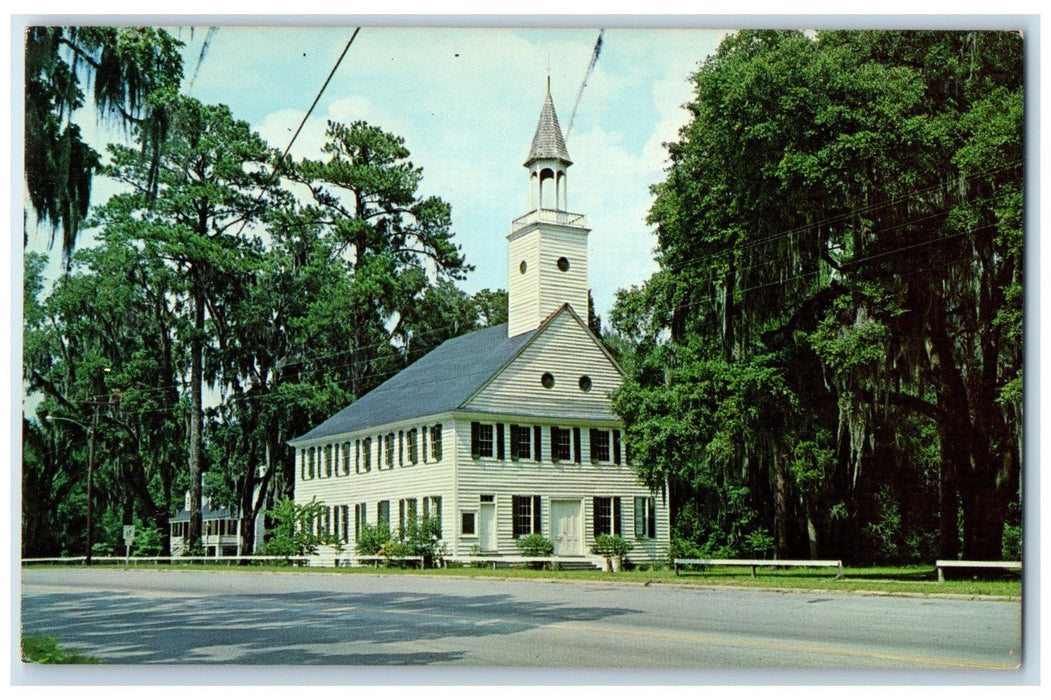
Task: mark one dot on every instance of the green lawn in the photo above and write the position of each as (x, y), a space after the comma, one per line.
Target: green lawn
(893, 580)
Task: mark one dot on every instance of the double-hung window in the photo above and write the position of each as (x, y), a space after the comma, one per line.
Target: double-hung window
(481, 440)
(599, 445)
(521, 441)
(345, 462)
(526, 515)
(645, 517)
(436, 442)
(389, 448)
(406, 513)
(414, 446)
(432, 511)
(560, 444)
(383, 515)
(606, 515)
(360, 519)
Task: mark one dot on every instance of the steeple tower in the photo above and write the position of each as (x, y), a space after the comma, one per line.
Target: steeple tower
(548, 245)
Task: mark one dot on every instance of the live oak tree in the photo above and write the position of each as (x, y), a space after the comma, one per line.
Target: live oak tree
(124, 66)
(840, 241)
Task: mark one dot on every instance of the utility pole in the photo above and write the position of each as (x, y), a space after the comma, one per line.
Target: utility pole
(91, 478)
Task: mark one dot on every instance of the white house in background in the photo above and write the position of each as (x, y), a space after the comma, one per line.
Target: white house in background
(501, 432)
(220, 530)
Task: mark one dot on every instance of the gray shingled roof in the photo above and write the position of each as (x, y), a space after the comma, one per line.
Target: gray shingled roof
(442, 380)
(548, 141)
(207, 513)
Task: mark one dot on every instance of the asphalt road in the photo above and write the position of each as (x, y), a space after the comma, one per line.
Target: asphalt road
(296, 619)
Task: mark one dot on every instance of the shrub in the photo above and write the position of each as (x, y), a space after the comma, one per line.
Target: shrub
(46, 650)
(371, 539)
(1012, 543)
(611, 546)
(535, 545)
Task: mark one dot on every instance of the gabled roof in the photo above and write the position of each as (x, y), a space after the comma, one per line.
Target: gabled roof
(442, 380)
(548, 141)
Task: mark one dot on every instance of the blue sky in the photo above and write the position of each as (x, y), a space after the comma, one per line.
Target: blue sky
(466, 101)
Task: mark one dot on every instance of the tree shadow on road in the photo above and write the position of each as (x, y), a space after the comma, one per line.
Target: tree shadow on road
(303, 628)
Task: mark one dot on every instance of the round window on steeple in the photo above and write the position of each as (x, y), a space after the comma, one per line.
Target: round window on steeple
(563, 264)
(585, 382)
(522, 267)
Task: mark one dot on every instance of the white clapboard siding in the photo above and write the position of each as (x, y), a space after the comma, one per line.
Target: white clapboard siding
(566, 480)
(566, 350)
(418, 481)
(523, 297)
(543, 288)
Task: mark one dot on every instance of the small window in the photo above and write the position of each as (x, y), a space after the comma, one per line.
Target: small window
(585, 383)
(522, 267)
(547, 380)
(563, 264)
(467, 523)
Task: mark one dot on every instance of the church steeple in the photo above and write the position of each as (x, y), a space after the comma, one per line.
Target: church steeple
(548, 160)
(547, 263)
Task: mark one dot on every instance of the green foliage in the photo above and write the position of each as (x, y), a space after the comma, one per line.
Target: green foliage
(1011, 549)
(535, 545)
(840, 238)
(148, 542)
(125, 66)
(46, 650)
(294, 533)
(423, 538)
(371, 539)
(606, 545)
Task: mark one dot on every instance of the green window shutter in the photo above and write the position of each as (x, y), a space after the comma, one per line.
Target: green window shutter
(616, 516)
(499, 440)
(537, 441)
(474, 440)
(640, 517)
(576, 445)
(596, 516)
(652, 517)
(536, 513)
(616, 447)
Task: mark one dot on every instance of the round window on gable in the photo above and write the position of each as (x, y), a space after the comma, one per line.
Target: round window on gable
(547, 380)
(563, 264)
(522, 267)
(585, 382)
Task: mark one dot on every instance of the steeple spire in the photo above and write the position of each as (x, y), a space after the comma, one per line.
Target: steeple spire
(548, 245)
(548, 142)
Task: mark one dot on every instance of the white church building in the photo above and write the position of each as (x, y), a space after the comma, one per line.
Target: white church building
(502, 432)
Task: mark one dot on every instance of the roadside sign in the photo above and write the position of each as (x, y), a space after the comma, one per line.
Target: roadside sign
(129, 534)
